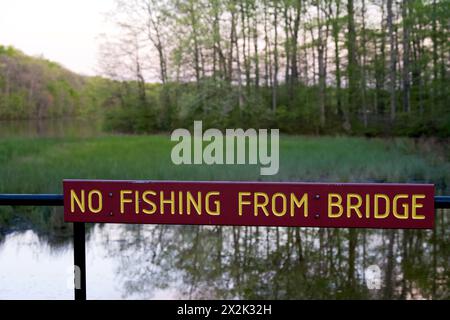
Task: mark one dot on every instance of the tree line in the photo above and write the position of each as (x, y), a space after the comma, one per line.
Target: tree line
(36, 88)
(365, 66)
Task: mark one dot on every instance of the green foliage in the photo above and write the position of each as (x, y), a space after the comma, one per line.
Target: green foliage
(37, 88)
(32, 87)
(38, 165)
(134, 113)
(221, 105)
(319, 67)
(9, 51)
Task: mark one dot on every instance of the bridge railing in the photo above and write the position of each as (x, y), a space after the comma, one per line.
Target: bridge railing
(79, 231)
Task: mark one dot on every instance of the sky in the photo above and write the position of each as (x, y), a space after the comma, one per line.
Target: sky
(64, 31)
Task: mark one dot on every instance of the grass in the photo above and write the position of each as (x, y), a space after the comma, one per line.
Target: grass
(38, 165)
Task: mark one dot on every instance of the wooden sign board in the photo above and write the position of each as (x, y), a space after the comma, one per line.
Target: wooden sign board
(251, 203)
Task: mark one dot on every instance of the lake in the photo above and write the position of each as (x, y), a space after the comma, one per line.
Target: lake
(187, 262)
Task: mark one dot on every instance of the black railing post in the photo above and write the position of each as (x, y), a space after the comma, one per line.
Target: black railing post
(79, 255)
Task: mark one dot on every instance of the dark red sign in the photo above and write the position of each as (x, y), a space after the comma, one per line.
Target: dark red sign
(251, 203)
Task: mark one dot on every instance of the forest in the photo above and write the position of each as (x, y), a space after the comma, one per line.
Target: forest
(365, 67)
(36, 88)
(322, 66)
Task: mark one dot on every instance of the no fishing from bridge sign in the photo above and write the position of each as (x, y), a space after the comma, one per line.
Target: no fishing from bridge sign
(338, 205)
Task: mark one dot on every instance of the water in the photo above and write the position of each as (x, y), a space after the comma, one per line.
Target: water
(174, 262)
(51, 128)
(204, 262)
(31, 268)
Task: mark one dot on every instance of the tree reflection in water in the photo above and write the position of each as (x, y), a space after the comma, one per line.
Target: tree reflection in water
(282, 263)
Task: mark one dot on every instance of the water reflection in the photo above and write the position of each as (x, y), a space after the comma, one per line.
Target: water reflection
(160, 262)
(33, 268)
(282, 263)
(69, 127)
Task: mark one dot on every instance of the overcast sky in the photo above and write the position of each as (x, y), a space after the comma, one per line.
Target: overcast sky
(64, 31)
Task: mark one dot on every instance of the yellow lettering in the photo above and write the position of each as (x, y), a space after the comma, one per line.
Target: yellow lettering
(170, 201)
(136, 202)
(216, 212)
(283, 204)
(123, 200)
(261, 205)
(404, 214)
(90, 202)
(354, 207)
(337, 204)
(367, 206)
(149, 202)
(416, 205)
(299, 203)
(180, 203)
(80, 202)
(242, 202)
(197, 204)
(377, 214)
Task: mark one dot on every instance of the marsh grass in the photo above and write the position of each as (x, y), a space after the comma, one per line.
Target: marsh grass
(38, 165)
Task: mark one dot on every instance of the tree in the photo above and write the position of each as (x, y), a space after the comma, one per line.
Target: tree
(342, 71)
(352, 63)
(406, 43)
(393, 59)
